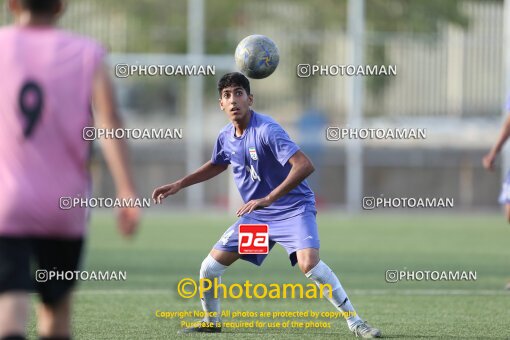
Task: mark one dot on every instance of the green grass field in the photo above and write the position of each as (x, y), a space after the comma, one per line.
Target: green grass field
(359, 249)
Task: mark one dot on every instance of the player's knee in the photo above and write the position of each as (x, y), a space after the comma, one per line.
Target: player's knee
(307, 264)
(211, 268)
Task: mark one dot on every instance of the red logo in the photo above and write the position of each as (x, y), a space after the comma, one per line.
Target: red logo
(253, 239)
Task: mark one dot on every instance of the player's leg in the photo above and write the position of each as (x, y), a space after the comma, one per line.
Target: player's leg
(316, 270)
(54, 310)
(213, 267)
(225, 258)
(224, 253)
(15, 284)
(504, 196)
(302, 239)
(507, 215)
(319, 272)
(14, 315)
(54, 320)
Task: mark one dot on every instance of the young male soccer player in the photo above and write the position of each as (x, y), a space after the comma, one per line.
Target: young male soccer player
(270, 171)
(49, 79)
(488, 163)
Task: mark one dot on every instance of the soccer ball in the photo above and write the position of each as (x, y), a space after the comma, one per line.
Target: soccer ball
(257, 56)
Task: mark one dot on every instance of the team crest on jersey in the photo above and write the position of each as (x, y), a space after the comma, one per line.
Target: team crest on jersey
(253, 153)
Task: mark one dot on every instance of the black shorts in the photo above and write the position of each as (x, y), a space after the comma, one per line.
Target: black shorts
(24, 262)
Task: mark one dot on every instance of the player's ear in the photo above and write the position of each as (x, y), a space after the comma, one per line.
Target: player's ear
(221, 105)
(250, 99)
(14, 6)
(60, 8)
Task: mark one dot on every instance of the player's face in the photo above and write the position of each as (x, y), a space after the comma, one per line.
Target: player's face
(236, 103)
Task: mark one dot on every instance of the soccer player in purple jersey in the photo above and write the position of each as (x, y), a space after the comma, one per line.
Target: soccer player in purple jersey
(488, 163)
(270, 172)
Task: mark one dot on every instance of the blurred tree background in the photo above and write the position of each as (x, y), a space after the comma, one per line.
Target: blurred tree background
(158, 26)
(308, 32)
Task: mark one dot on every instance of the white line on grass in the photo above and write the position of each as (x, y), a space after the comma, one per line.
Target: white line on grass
(427, 292)
(369, 292)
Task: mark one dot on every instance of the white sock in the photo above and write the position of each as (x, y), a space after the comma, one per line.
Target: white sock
(322, 274)
(211, 269)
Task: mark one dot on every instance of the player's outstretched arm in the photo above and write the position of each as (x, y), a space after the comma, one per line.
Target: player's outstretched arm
(204, 173)
(488, 159)
(115, 150)
(302, 167)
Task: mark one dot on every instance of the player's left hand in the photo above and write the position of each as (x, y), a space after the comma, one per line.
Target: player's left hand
(253, 205)
(127, 220)
(488, 161)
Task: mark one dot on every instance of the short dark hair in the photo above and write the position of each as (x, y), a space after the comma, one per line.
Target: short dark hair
(41, 6)
(234, 79)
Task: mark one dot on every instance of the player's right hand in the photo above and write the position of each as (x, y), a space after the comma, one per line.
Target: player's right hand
(166, 190)
(127, 220)
(488, 161)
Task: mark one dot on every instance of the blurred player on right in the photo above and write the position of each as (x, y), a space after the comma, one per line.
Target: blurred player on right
(488, 163)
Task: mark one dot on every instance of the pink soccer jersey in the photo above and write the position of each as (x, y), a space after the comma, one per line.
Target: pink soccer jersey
(46, 79)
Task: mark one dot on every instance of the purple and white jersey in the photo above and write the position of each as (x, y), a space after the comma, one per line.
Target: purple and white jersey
(259, 160)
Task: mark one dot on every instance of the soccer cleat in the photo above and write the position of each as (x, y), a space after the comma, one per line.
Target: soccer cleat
(363, 330)
(201, 327)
